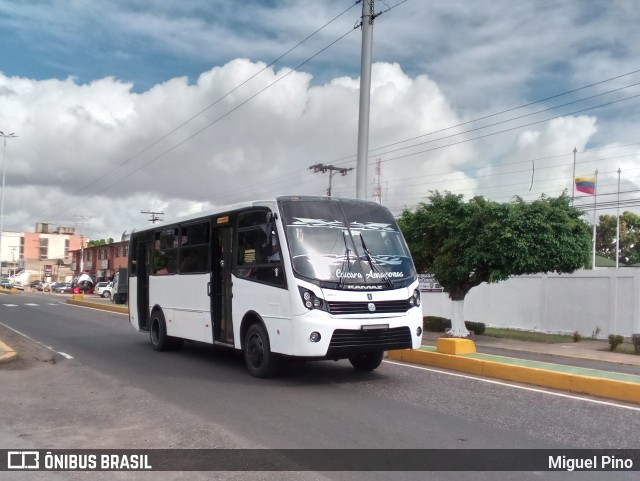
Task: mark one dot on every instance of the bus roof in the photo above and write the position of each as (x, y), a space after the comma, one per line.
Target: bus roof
(271, 203)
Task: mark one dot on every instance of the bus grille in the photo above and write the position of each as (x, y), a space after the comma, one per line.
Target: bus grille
(345, 341)
(382, 307)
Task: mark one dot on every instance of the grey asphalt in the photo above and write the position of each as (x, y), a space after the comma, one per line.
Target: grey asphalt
(588, 354)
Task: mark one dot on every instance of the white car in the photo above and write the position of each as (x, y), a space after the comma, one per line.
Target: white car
(103, 289)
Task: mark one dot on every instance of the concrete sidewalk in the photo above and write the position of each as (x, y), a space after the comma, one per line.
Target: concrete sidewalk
(585, 367)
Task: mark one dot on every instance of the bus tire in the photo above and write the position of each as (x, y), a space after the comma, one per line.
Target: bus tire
(158, 332)
(259, 359)
(366, 361)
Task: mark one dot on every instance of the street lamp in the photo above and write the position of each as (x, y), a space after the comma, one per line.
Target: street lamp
(4, 137)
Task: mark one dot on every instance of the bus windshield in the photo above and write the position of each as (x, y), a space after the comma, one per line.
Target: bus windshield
(346, 243)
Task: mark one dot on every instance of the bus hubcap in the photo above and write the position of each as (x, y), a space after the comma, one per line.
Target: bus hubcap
(255, 350)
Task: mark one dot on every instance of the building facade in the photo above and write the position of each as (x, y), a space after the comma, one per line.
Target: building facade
(44, 253)
(101, 261)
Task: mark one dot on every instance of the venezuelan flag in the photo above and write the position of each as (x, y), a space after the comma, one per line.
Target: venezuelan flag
(586, 185)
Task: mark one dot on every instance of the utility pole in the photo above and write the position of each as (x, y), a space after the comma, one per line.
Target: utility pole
(332, 170)
(154, 215)
(365, 98)
(82, 217)
(4, 147)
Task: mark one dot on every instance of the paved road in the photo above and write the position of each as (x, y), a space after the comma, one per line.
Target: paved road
(118, 392)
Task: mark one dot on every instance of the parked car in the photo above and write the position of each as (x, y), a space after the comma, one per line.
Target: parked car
(103, 289)
(63, 288)
(5, 284)
(35, 284)
(52, 287)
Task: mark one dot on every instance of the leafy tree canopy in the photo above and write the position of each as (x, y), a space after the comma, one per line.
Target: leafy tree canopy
(606, 233)
(466, 243)
(100, 242)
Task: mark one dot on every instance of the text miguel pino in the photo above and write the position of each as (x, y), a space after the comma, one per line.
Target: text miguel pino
(603, 463)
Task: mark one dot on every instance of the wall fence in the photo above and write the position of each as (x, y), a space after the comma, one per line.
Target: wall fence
(603, 300)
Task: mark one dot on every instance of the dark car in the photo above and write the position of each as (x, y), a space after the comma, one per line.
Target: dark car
(35, 284)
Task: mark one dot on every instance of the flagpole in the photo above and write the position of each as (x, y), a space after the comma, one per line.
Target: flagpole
(595, 196)
(618, 223)
(573, 180)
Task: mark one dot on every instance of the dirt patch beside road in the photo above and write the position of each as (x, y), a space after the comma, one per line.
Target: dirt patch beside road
(29, 352)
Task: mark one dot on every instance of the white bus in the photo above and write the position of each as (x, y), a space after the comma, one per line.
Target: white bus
(298, 277)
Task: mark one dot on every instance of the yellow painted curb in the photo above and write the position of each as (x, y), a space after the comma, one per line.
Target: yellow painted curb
(564, 381)
(96, 305)
(455, 345)
(9, 354)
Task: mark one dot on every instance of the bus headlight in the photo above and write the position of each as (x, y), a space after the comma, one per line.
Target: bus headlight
(414, 300)
(310, 300)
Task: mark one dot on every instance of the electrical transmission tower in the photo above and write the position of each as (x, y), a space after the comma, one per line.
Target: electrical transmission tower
(332, 170)
(377, 188)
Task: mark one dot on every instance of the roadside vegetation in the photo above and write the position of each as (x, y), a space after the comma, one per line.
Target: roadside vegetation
(529, 335)
(623, 347)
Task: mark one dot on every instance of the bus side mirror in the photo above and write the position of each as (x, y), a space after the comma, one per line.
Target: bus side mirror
(271, 218)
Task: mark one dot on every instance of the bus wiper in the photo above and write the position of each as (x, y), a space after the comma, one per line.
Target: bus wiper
(374, 266)
(345, 259)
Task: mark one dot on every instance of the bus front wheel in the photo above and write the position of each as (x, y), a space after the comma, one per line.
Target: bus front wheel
(260, 361)
(366, 361)
(158, 332)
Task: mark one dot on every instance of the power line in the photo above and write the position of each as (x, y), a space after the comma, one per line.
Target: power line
(495, 114)
(214, 103)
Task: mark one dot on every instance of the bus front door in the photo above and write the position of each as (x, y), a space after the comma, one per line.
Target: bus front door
(222, 286)
(143, 263)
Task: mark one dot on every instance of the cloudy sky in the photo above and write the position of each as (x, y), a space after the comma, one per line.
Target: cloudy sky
(182, 105)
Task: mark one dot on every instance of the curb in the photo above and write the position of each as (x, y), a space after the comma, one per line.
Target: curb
(105, 307)
(9, 354)
(563, 381)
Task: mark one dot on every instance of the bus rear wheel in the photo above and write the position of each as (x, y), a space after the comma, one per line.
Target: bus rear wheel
(260, 361)
(366, 361)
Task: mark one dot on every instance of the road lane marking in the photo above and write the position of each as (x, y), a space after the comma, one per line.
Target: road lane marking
(516, 386)
(10, 305)
(68, 356)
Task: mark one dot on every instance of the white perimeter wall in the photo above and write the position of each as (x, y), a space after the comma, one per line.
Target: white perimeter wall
(582, 301)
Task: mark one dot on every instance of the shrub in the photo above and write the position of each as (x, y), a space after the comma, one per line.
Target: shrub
(476, 327)
(441, 324)
(635, 339)
(614, 341)
(594, 334)
(576, 336)
(436, 323)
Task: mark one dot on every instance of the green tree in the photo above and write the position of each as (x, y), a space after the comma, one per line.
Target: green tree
(463, 244)
(100, 242)
(606, 233)
(630, 237)
(606, 236)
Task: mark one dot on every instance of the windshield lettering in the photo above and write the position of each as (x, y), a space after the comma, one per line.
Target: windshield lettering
(346, 243)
